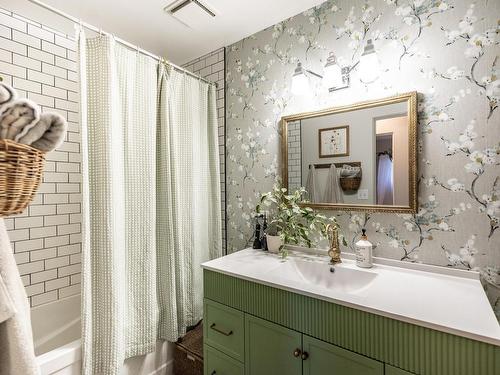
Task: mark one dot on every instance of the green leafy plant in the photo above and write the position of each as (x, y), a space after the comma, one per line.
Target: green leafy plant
(293, 222)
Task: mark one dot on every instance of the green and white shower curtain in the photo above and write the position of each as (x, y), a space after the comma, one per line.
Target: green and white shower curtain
(188, 193)
(151, 201)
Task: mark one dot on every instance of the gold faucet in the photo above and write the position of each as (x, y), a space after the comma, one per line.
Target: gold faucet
(334, 251)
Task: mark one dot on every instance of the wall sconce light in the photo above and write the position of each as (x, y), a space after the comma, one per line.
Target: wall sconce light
(368, 63)
(300, 81)
(335, 77)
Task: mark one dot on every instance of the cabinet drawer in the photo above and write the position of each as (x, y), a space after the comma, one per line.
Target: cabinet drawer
(217, 363)
(224, 329)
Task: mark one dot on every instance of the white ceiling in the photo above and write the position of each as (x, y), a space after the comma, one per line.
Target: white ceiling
(145, 23)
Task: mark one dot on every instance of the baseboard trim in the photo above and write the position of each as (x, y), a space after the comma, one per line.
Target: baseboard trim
(170, 367)
(165, 369)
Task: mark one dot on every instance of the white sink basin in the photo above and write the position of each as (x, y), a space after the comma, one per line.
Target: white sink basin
(319, 274)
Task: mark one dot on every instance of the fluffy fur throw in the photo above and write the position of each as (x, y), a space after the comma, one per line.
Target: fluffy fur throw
(47, 134)
(17, 117)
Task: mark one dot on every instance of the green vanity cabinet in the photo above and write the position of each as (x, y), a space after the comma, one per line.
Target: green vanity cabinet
(390, 370)
(271, 349)
(336, 339)
(237, 343)
(323, 358)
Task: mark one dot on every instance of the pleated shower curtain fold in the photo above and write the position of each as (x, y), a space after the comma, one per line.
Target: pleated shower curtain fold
(119, 256)
(189, 211)
(151, 201)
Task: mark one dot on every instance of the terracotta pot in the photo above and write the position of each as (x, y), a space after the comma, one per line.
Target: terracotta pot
(274, 243)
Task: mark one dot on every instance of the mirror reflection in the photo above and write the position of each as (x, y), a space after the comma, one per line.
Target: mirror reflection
(355, 156)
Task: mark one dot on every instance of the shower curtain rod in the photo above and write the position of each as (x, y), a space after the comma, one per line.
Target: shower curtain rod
(121, 41)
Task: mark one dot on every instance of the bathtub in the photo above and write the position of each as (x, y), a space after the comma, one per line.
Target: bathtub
(56, 335)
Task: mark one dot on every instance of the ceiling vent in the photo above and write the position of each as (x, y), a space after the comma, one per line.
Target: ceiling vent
(192, 13)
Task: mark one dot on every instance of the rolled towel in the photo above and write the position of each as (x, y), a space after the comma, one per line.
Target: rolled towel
(47, 134)
(17, 117)
(349, 171)
(7, 94)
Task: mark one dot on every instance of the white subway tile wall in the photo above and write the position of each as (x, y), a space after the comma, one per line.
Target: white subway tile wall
(294, 157)
(212, 67)
(41, 65)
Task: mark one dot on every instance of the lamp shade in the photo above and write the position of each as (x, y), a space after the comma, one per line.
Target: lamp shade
(300, 83)
(332, 76)
(369, 66)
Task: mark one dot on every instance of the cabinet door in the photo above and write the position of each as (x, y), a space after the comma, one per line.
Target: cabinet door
(271, 349)
(390, 370)
(323, 358)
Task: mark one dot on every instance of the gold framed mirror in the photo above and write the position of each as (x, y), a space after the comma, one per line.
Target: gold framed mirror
(359, 157)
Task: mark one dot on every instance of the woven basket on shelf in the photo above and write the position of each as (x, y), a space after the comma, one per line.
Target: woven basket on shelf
(21, 170)
(350, 183)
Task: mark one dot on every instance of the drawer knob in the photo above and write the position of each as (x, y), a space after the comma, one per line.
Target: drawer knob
(304, 356)
(296, 353)
(218, 330)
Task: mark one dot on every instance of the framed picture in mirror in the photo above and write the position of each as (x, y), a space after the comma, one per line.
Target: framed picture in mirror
(334, 142)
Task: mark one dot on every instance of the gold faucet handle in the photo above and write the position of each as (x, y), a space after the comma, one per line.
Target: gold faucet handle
(333, 236)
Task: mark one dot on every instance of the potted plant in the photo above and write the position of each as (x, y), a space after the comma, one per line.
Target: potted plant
(289, 221)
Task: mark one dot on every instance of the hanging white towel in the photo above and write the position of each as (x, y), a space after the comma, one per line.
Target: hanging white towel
(7, 308)
(313, 193)
(333, 192)
(17, 356)
(385, 183)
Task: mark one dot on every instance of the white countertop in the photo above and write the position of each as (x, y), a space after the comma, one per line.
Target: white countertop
(452, 302)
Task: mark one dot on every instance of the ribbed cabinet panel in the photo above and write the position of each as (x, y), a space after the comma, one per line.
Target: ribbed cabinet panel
(410, 347)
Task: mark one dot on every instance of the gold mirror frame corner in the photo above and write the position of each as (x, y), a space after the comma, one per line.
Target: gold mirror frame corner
(411, 98)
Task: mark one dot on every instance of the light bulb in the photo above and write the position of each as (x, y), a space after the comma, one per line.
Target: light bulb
(369, 66)
(300, 83)
(332, 76)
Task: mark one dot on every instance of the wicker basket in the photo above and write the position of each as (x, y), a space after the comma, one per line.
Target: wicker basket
(350, 183)
(21, 170)
(188, 353)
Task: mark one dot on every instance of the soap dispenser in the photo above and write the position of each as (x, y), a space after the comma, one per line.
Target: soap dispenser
(364, 251)
(257, 244)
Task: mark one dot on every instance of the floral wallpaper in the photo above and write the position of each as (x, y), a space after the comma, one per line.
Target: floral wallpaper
(448, 51)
